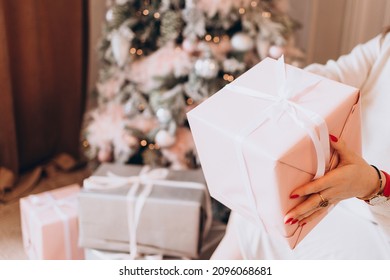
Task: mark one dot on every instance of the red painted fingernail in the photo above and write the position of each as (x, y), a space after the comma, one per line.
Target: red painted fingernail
(294, 222)
(289, 220)
(294, 196)
(333, 138)
(303, 224)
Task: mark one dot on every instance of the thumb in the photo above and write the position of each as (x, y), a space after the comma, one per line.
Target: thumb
(339, 146)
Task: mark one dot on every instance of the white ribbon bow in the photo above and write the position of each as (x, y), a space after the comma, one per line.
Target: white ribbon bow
(284, 102)
(149, 178)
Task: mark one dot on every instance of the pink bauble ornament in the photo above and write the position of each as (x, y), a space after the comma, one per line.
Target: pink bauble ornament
(275, 51)
(105, 154)
(206, 67)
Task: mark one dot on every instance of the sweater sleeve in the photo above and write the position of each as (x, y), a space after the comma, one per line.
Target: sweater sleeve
(381, 213)
(353, 68)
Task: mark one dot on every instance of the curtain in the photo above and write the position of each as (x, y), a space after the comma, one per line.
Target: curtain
(43, 58)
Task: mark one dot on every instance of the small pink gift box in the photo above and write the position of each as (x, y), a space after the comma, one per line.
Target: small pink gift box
(50, 224)
(266, 134)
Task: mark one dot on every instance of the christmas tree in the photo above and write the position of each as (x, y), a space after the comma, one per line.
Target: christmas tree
(161, 58)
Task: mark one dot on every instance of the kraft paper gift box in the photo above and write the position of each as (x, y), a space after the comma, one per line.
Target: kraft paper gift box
(158, 215)
(209, 244)
(50, 224)
(266, 134)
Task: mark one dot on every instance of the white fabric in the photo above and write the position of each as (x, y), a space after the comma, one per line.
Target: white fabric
(352, 230)
(345, 233)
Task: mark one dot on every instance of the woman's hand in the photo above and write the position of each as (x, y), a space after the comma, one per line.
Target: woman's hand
(353, 177)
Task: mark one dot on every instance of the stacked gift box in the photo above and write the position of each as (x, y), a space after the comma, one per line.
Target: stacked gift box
(123, 212)
(130, 209)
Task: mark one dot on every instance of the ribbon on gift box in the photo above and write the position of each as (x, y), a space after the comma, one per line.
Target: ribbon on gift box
(147, 177)
(46, 201)
(284, 102)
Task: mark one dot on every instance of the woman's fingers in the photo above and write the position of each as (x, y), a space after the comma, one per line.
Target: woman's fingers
(333, 177)
(341, 148)
(351, 178)
(311, 187)
(312, 204)
(314, 215)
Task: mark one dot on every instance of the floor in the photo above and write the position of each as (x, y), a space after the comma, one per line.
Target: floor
(11, 246)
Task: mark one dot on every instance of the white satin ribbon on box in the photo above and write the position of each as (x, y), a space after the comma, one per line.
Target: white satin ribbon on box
(149, 178)
(284, 102)
(46, 201)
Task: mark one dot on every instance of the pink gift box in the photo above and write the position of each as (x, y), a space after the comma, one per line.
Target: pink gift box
(255, 140)
(50, 224)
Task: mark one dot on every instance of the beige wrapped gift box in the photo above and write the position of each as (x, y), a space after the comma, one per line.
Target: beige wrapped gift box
(209, 244)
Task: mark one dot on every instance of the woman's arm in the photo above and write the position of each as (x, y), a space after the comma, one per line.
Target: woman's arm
(353, 68)
(353, 177)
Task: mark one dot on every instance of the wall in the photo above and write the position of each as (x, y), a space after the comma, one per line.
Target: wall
(333, 27)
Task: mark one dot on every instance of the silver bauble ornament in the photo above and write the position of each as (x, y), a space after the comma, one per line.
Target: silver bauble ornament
(206, 67)
(164, 115)
(164, 139)
(242, 42)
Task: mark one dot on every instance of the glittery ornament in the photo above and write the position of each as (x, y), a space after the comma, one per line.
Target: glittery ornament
(171, 24)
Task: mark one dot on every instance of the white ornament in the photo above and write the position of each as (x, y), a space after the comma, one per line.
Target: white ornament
(164, 115)
(275, 51)
(206, 68)
(189, 4)
(164, 139)
(121, 2)
(242, 42)
(109, 15)
(120, 48)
